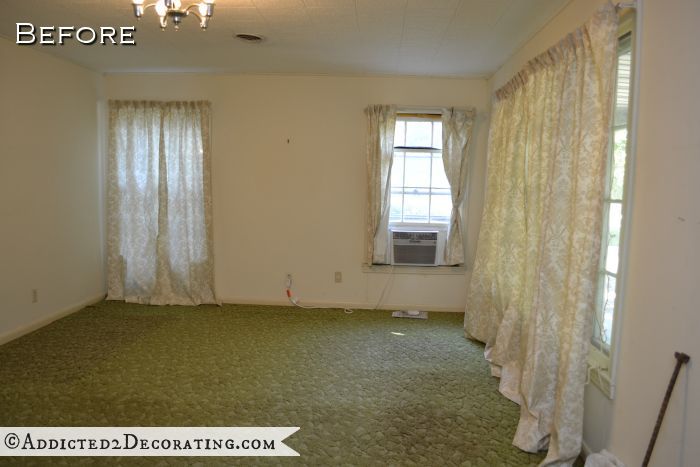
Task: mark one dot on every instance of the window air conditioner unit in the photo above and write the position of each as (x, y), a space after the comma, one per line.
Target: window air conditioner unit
(414, 248)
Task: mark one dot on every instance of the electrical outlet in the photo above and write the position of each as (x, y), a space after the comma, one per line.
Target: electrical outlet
(35, 295)
(338, 277)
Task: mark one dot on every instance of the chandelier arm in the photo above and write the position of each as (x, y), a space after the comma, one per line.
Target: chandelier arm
(193, 9)
(203, 19)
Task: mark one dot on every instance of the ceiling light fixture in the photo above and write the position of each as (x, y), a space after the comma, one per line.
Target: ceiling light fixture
(173, 9)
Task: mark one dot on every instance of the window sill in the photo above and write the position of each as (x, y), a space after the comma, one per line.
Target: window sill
(599, 372)
(419, 270)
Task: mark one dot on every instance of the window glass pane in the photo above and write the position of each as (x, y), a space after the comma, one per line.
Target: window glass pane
(440, 206)
(598, 320)
(622, 90)
(420, 190)
(608, 308)
(437, 135)
(618, 168)
(395, 205)
(439, 178)
(397, 170)
(400, 134)
(614, 225)
(417, 169)
(415, 205)
(418, 134)
(606, 293)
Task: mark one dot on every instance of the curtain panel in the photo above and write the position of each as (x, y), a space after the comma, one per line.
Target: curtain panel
(159, 237)
(456, 135)
(532, 293)
(381, 123)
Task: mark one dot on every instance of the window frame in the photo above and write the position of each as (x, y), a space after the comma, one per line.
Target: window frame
(408, 116)
(602, 360)
(432, 115)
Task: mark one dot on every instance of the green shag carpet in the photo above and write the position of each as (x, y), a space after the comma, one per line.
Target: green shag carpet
(365, 388)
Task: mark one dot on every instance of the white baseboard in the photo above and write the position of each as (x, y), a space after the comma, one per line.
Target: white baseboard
(40, 323)
(328, 304)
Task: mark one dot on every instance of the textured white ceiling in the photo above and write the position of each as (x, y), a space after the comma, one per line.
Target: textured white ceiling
(399, 37)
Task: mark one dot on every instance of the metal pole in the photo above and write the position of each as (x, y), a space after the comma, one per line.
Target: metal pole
(681, 358)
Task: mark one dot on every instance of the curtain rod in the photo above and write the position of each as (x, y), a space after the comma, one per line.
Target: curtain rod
(430, 116)
(420, 109)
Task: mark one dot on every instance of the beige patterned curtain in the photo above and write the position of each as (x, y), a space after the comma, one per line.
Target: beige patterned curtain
(381, 123)
(457, 127)
(532, 292)
(159, 203)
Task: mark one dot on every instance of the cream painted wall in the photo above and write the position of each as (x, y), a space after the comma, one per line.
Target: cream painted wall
(49, 188)
(662, 312)
(569, 18)
(662, 295)
(289, 181)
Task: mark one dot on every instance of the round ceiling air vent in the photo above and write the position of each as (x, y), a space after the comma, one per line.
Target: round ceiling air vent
(249, 37)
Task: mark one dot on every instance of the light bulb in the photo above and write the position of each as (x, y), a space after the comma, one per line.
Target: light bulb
(138, 8)
(161, 9)
(206, 8)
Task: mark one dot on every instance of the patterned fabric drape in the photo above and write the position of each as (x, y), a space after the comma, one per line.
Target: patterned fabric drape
(456, 135)
(381, 123)
(159, 203)
(532, 292)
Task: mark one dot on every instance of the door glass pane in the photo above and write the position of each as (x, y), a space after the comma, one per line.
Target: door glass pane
(419, 134)
(614, 226)
(415, 205)
(417, 169)
(439, 178)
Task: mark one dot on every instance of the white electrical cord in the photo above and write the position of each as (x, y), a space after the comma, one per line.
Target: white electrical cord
(295, 301)
(386, 286)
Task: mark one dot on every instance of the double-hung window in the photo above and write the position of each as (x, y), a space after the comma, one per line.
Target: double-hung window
(420, 193)
(616, 211)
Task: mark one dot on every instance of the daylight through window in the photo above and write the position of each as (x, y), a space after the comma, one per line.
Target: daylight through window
(608, 277)
(420, 193)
